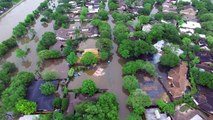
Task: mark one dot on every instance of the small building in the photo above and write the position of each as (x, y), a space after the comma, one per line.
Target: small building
(177, 80)
(154, 114)
(189, 27)
(169, 7)
(76, 10)
(147, 27)
(159, 45)
(90, 32)
(64, 34)
(44, 102)
(205, 56)
(29, 117)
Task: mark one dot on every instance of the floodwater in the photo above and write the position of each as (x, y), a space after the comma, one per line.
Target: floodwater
(154, 10)
(18, 14)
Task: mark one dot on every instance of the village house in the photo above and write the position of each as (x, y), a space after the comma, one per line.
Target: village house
(189, 27)
(203, 44)
(205, 56)
(177, 80)
(89, 32)
(44, 102)
(64, 34)
(76, 10)
(73, 3)
(189, 14)
(147, 27)
(29, 117)
(154, 114)
(169, 7)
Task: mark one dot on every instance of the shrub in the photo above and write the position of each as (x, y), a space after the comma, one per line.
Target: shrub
(49, 75)
(47, 88)
(104, 55)
(64, 104)
(88, 87)
(26, 107)
(49, 54)
(130, 83)
(169, 59)
(10, 43)
(71, 72)
(72, 58)
(3, 49)
(89, 58)
(134, 116)
(8, 66)
(57, 102)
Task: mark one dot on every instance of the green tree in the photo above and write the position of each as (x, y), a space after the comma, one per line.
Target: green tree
(144, 19)
(210, 41)
(102, 14)
(57, 102)
(88, 87)
(49, 54)
(138, 100)
(134, 116)
(130, 83)
(104, 55)
(58, 116)
(47, 88)
(26, 107)
(9, 67)
(20, 30)
(48, 39)
(104, 44)
(72, 58)
(169, 59)
(49, 75)
(166, 107)
(89, 58)
(10, 43)
(3, 49)
(20, 53)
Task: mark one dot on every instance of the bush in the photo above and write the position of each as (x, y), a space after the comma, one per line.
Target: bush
(72, 58)
(134, 116)
(88, 87)
(169, 59)
(49, 54)
(3, 49)
(104, 55)
(64, 104)
(166, 107)
(26, 107)
(49, 75)
(89, 58)
(57, 102)
(130, 83)
(47, 88)
(10, 43)
(20, 30)
(8, 66)
(48, 39)
(71, 72)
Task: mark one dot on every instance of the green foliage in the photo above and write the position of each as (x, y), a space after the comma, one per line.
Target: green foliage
(210, 41)
(133, 66)
(9, 67)
(207, 25)
(10, 43)
(16, 91)
(71, 72)
(57, 116)
(104, 44)
(88, 87)
(20, 30)
(113, 5)
(57, 102)
(104, 55)
(130, 83)
(89, 58)
(47, 88)
(202, 78)
(48, 39)
(29, 19)
(49, 54)
(83, 13)
(64, 104)
(3, 49)
(72, 58)
(121, 32)
(103, 27)
(143, 19)
(102, 14)
(166, 107)
(26, 107)
(122, 17)
(106, 108)
(169, 59)
(49, 75)
(20, 53)
(130, 48)
(206, 17)
(134, 116)
(138, 100)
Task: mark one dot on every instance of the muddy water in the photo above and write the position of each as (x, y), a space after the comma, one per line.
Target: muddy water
(29, 62)
(18, 14)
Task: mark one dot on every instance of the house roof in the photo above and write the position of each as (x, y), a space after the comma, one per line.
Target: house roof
(188, 11)
(205, 67)
(178, 80)
(205, 56)
(44, 102)
(154, 114)
(191, 25)
(64, 34)
(29, 117)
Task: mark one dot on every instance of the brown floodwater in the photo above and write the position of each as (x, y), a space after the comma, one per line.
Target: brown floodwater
(18, 14)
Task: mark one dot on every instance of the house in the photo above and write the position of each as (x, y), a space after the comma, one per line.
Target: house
(189, 14)
(44, 102)
(147, 27)
(73, 3)
(169, 7)
(76, 10)
(189, 27)
(159, 45)
(203, 44)
(154, 114)
(205, 67)
(29, 117)
(177, 80)
(93, 9)
(205, 56)
(64, 34)
(203, 99)
(90, 32)
(77, 18)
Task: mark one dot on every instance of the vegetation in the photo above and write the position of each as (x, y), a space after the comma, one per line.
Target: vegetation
(20, 30)
(20, 53)
(89, 58)
(49, 75)
(102, 14)
(134, 116)
(57, 102)
(26, 107)
(16, 91)
(49, 54)
(48, 39)
(72, 58)
(169, 59)
(71, 72)
(83, 13)
(166, 107)
(138, 100)
(133, 66)
(3, 49)
(47, 88)
(104, 55)
(130, 83)
(113, 4)
(64, 104)
(88, 87)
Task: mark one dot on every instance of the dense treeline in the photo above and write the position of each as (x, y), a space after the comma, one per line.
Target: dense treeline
(6, 4)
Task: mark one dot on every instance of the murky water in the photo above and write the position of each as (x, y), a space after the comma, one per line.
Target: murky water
(18, 14)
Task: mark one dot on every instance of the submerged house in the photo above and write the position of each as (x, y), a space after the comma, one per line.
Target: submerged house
(177, 80)
(44, 102)
(64, 34)
(154, 114)
(189, 27)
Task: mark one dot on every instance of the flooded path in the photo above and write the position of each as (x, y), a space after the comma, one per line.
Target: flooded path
(18, 14)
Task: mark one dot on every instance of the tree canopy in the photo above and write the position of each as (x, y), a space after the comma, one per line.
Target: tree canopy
(89, 58)
(88, 87)
(130, 83)
(26, 107)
